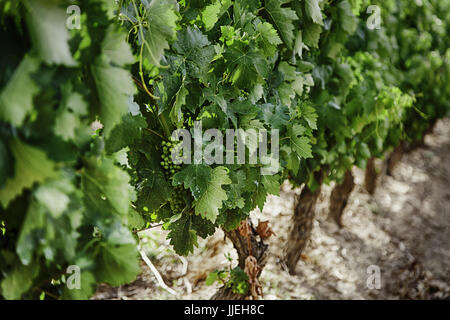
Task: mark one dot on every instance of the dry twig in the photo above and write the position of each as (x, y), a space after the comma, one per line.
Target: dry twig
(156, 273)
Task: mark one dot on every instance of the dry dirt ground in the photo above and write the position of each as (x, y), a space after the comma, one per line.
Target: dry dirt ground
(404, 230)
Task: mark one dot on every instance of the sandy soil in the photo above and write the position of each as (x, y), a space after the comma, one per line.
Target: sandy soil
(404, 230)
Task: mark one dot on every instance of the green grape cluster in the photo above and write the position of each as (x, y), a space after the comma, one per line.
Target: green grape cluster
(176, 201)
(169, 167)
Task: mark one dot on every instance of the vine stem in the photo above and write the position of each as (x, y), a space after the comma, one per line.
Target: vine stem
(47, 293)
(141, 74)
(119, 9)
(155, 133)
(151, 227)
(164, 125)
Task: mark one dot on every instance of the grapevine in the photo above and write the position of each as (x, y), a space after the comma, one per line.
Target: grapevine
(87, 112)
